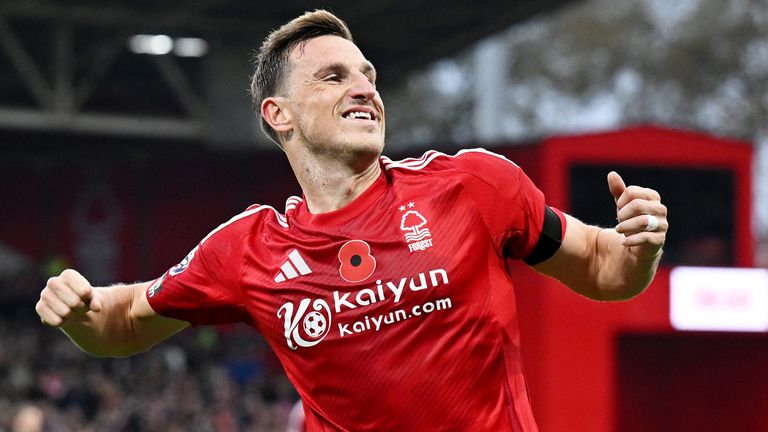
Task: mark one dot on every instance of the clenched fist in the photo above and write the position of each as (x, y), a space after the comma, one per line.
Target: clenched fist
(66, 296)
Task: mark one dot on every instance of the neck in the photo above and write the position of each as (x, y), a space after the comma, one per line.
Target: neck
(330, 182)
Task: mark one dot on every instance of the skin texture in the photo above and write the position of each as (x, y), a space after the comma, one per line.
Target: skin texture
(335, 159)
(114, 321)
(612, 264)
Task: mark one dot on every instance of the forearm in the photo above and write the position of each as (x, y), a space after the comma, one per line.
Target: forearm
(613, 264)
(593, 262)
(109, 332)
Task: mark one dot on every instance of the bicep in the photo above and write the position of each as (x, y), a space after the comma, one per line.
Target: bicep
(149, 327)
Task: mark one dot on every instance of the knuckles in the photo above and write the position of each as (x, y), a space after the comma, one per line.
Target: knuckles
(48, 300)
(638, 192)
(74, 303)
(641, 206)
(633, 208)
(69, 275)
(69, 280)
(662, 210)
(46, 295)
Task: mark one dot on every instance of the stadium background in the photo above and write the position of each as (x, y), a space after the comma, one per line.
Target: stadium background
(117, 162)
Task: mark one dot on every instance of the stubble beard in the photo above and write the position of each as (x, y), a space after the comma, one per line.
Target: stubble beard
(342, 146)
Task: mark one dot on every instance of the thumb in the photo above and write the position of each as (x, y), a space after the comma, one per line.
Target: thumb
(616, 185)
(94, 302)
(84, 289)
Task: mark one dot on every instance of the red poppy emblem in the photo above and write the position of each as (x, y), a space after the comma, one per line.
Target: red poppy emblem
(357, 263)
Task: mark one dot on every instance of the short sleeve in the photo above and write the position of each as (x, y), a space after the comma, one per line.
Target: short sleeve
(511, 206)
(204, 287)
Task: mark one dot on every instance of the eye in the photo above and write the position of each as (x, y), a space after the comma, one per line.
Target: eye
(332, 78)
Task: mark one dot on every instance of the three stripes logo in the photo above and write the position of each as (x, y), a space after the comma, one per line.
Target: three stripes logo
(294, 267)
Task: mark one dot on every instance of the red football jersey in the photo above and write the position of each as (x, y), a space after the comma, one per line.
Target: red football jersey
(394, 313)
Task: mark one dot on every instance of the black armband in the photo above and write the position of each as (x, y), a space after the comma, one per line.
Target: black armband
(549, 240)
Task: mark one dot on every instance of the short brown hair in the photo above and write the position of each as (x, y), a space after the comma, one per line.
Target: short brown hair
(271, 62)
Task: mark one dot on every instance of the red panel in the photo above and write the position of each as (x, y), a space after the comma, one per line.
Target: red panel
(569, 343)
(693, 382)
(652, 146)
(568, 347)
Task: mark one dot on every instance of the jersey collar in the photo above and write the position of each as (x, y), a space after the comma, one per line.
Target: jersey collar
(348, 212)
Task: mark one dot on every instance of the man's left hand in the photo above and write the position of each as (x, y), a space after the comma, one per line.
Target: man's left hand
(641, 215)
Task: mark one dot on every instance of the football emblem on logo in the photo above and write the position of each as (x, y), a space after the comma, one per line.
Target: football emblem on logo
(314, 324)
(357, 263)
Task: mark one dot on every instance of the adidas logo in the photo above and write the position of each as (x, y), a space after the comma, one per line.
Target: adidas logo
(292, 268)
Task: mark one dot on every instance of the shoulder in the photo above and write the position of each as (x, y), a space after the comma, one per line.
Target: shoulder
(226, 244)
(477, 162)
(245, 223)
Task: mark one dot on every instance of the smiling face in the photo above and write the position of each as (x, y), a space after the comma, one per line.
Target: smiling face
(331, 103)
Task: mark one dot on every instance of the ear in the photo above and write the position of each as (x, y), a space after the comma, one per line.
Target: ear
(275, 112)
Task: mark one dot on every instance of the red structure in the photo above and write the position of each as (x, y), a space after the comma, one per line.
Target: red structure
(620, 366)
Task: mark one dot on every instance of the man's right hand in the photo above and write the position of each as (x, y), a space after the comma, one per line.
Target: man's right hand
(67, 296)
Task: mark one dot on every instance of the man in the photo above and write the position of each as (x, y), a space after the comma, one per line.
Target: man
(384, 290)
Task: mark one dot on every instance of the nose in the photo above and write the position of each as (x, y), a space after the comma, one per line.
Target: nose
(362, 88)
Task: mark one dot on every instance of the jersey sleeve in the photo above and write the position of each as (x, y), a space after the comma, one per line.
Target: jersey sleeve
(204, 288)
(511, 206)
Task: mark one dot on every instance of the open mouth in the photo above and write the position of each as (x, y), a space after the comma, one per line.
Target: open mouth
(359, 113)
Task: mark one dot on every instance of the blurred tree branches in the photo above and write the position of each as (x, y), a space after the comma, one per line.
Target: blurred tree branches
(602, 64)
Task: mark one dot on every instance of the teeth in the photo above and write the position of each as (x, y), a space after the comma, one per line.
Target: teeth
(358, 114)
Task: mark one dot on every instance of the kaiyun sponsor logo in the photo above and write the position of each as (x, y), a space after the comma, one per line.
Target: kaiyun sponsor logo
(377, 322)
(309, 322)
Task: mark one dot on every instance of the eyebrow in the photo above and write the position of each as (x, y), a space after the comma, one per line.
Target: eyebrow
(367, 69)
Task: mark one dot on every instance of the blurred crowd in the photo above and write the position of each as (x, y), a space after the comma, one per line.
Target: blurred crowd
(208, 379)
